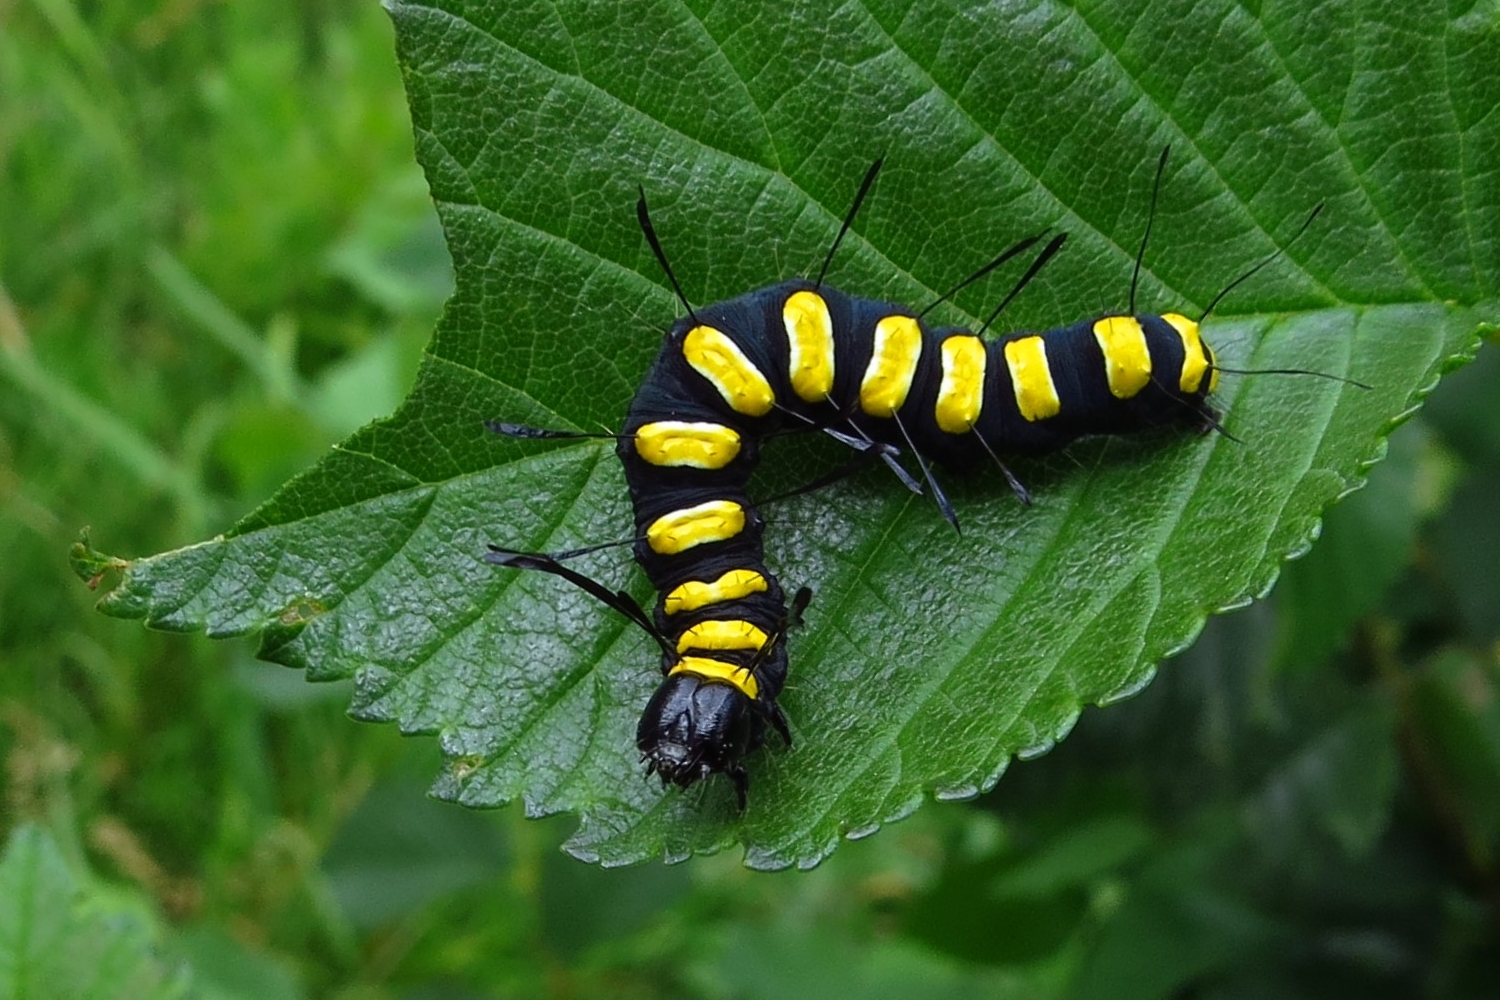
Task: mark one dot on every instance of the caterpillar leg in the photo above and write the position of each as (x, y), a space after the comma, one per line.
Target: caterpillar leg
(800, 601)
(741, 779)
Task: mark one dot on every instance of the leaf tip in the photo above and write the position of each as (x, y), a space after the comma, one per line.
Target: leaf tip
(91, 565)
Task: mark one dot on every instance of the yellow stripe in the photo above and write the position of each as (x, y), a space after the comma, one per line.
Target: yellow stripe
(962, 392)
(718, 670)
(687, 443)
(809, 335)
(1127, 360)
(731, 586)
(898, 347)
(707, 522)
(1194, 356)
(732, 634)
(720, 360)
(1032, 378)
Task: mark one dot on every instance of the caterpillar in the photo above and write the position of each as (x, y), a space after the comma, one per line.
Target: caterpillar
(877, 377)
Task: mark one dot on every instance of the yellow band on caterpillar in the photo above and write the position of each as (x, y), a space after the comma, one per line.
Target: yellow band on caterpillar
(732, 586)
(731, 634)
(962, 391)
(1195, 356)
(1127, 360)
(718, 670)
(720, 360)
(681, 530)
(809, 337)
(1031, 377)
(692, 444)
(893, 363)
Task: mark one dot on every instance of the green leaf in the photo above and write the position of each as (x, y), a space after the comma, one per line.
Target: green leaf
(798, 958)
(1455, 720)
(58, 940)
(1341, 786)
(1182, 925)
(397, 852)
(929, 660)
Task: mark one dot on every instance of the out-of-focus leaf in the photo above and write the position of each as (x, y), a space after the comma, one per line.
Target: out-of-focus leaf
(1339, 786)
(1467, 548)
(58, 940)
(1455, 745)
(398, 851)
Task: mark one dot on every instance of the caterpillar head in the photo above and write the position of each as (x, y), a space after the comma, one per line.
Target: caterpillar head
(696, 726)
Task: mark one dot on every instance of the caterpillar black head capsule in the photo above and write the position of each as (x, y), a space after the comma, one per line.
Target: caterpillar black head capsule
(694, 727)
(704, 719)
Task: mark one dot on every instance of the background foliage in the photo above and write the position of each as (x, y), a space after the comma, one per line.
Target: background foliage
(218, 259)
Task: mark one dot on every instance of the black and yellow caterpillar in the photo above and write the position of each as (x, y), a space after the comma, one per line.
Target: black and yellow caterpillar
(876, 376)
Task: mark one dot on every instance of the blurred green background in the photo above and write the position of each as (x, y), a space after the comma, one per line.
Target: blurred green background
(217, 258)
